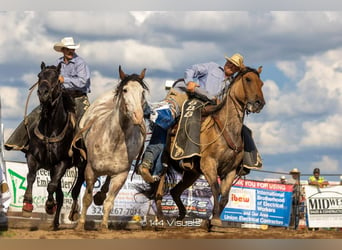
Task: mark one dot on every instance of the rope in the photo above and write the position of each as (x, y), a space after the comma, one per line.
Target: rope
(26, 106)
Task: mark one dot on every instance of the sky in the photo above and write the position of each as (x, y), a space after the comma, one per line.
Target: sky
(300, 51)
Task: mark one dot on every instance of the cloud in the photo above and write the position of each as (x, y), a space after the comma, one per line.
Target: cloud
(301, 49)
(326, 133)
(326, 164)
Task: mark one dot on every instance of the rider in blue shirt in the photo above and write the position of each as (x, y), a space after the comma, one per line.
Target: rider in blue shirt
(206, 79)
(74, 77)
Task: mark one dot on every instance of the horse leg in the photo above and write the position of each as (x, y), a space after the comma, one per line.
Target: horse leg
(90, 179)
(54, 186)
(211, 177)
(189, 177)
(159, 198)
(75, 209)
(116, 183)
(226, 185)
(60, 201)
(100, 196)
(31, 177)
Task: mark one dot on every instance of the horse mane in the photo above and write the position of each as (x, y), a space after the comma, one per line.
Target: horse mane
(132, 77)
(212, 109)
(245, 70)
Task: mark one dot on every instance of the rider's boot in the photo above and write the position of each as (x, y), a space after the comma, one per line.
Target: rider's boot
(144, 171)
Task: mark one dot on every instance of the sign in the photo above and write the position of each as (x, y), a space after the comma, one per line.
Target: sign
(16, 177)
(197, 200)
(127, 202)
(324, 206)
(259, 203)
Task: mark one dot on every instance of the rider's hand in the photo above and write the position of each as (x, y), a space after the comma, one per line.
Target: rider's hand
(61, 79)
(191, 86)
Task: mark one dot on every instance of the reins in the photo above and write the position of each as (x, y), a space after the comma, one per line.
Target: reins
(58, 137)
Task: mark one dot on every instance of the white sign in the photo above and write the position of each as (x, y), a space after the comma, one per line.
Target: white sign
(324, 206)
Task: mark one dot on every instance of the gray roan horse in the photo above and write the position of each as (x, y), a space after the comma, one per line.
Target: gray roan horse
(221, 145)
(114, 134)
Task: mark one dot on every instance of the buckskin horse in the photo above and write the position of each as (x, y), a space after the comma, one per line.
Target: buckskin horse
(114, 134)
(221, 146)
(49, 143)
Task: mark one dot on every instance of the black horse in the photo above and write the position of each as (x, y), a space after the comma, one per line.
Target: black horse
(49, 143)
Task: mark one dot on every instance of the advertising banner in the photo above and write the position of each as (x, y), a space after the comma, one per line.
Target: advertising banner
(127, 202)
(259, 203)
(324, 206)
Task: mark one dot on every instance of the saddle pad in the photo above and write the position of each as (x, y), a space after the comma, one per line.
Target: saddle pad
(187, 138)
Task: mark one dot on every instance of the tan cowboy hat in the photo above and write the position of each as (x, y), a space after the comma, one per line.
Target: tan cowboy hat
(294, 171)
(66, 42)
(236, 59)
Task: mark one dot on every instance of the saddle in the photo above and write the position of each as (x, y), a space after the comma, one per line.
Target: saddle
(185, 135)
(186, 143)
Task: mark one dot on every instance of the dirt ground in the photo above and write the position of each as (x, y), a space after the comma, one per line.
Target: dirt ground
(170, 233)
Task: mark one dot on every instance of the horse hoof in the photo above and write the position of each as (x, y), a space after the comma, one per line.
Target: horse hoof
(216, 222)
(27, 210)
(26, 214)
(74, 216)
(99, 197)
(103, 228)
(74, 212)
(79, 227)
(50, 209)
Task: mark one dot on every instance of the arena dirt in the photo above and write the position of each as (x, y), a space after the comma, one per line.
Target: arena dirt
(171, 233)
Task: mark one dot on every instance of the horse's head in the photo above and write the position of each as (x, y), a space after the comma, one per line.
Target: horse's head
(131, 92)
(249, 92)
(48, 86)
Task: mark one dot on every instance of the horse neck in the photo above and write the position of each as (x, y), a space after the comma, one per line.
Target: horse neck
(232, 114)
(53, 118)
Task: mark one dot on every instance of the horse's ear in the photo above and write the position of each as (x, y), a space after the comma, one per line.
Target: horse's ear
(142, 74)
(121, 73)
(259, 69)
(42, 66)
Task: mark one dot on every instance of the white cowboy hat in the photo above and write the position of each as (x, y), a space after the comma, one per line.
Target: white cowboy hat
(66, 42)
(237, 60)
(282, 177)
(294, 171)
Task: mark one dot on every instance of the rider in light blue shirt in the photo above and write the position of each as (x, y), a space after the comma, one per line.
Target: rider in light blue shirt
(210, 79)
(76, 73)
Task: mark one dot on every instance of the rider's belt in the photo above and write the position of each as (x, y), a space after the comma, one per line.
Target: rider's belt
(76, 93)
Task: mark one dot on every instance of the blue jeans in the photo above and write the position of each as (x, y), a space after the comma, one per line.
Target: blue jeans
(155, 148)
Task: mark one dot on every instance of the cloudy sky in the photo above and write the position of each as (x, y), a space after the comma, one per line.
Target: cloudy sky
(300, 51)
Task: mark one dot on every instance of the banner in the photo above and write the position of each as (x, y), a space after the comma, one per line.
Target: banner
(324, 206)
(127, 202)
(197, 200)
(16, 173)
(259, 203)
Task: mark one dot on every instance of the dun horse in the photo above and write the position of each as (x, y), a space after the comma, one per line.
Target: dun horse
(221, 145)
(114, 134)
(49, 144)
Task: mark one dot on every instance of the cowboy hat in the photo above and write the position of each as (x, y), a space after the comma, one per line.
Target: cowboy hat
(294, 171)
(236, 59)
(66, 42)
